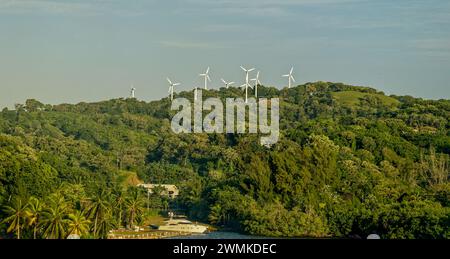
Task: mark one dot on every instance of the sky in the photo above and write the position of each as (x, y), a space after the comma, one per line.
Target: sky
(69, 51)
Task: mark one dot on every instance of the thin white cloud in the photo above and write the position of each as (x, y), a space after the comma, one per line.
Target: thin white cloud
(74, 7)
(432, 47)
(271, 2)
(263, 8)
(46, 6)
(190, 45)
(432, 44)
(223, 28)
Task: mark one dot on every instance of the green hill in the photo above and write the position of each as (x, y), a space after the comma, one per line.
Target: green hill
(350, 161)
(355, 98)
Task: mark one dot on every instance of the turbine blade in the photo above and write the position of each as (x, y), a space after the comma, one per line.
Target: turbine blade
(230, 83)
(244, 69)
(285, 75)
(168, 80)
(176, 84)
(209, 79)
(292, 69)
(292, 77)
(251, 69)
(207, 70)
(223, 81)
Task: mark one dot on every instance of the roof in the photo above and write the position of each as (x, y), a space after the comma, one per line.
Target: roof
(151, 186)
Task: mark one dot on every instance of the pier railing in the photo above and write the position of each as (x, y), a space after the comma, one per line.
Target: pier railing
(148, 235)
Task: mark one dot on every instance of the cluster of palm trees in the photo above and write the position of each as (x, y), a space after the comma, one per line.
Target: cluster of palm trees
(55, 217)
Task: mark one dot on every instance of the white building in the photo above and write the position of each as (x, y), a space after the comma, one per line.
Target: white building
(168, 190)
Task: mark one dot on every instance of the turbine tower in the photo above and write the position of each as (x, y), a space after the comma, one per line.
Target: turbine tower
(206, 76)
(290, 76)
(257, 82)
(227, 84)
(246, 85)
(171, 86)
(132, 91)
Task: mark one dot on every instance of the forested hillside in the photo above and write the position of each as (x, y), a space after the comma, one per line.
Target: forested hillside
(350, 161)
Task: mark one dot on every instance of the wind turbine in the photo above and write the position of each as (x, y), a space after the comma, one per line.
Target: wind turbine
(257, 82)
(227, 84)
(171, 85)
(195, 93)
(206, 76)
(132, 91)
(246, 85)
(290, 76)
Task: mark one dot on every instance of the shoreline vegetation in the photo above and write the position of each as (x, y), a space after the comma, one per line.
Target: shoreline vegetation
(350, 162)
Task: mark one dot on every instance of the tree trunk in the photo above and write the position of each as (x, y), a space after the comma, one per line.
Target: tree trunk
(95, 225)
(120, 215)
(18, 228)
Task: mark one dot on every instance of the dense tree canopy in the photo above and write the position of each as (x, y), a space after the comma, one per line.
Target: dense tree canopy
(350, 161)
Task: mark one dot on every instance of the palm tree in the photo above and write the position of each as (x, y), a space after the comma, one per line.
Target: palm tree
(33, 213)
(105, 225)
(16, 216)
(119, 202)
(99, 208)
(78, 224)
(54, 218)
(134, 204)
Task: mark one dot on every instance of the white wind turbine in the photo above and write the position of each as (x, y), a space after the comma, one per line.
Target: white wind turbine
(227, 84)
(133, 90)
(290, 76)
(206, 76)
(246, 85)
(171, 86)
(257, 82)
(195, 93)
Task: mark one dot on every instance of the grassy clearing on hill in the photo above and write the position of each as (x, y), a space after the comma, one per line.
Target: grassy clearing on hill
(353, 98)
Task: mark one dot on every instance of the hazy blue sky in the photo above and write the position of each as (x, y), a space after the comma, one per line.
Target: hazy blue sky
(81, 50)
